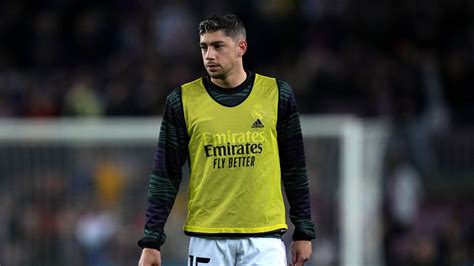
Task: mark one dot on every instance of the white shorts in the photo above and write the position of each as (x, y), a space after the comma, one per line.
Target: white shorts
(247, 251)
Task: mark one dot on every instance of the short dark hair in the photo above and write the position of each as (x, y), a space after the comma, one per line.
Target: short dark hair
(230, 24)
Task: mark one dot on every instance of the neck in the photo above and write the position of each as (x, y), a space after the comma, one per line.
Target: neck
(231, 81)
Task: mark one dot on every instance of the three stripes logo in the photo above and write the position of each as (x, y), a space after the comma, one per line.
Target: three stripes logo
(257, 124)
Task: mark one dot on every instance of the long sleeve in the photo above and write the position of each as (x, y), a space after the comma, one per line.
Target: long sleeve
(170, 156)
(293, 166)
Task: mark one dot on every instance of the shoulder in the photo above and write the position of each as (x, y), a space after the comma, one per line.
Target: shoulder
(174, 96)
(285, 92)
(285, 89)
(283, 86)
(174, 106)
(192, 83)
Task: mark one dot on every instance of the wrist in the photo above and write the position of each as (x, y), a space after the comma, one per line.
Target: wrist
(149, 243)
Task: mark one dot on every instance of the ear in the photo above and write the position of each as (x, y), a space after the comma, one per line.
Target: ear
(242, 47)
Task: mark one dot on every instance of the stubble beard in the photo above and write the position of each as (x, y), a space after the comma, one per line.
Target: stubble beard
(218, 74)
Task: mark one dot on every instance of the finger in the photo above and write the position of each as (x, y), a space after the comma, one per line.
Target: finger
(300, 259)
(300, 262)
(294, 256)
(303, 259)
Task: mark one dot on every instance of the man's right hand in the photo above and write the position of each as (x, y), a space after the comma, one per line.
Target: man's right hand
(150, 257)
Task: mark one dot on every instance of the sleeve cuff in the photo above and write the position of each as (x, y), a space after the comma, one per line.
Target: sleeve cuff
(301, 235)
(148, 242)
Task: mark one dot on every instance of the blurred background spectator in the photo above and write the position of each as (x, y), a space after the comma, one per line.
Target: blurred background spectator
(408, 62)
(392, 58)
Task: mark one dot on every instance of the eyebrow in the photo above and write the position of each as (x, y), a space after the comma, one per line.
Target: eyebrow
(212, 43)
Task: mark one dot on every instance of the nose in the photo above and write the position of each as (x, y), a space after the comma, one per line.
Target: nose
(210, 54)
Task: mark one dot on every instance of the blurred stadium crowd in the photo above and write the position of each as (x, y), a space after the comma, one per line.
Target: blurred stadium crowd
(410, 62)
(105, 58)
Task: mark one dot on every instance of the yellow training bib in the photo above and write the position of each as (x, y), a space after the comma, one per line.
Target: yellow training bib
(235, 181)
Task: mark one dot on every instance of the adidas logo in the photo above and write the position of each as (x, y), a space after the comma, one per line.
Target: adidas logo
(257, 124)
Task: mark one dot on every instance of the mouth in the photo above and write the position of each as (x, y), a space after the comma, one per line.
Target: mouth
(211, 66)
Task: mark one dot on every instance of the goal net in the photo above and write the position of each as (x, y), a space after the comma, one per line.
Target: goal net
(73, 191)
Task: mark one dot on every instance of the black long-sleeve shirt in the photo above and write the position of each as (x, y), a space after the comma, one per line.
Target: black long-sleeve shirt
(172, 151)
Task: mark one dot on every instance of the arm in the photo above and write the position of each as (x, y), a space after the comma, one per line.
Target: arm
(170, 156)
(293, 171)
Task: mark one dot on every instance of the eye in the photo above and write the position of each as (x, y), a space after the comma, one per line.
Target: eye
(203, 48)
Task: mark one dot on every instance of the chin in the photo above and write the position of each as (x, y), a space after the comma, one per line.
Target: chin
(216, 75)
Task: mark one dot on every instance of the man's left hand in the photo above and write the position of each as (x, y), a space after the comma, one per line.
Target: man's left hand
(300, 252)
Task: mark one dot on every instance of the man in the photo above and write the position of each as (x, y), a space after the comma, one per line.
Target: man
(242, 134)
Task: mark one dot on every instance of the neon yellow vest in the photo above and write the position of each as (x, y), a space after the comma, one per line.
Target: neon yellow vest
(235, 181)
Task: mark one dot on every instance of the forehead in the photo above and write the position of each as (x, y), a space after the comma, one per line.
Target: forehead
(217, 36)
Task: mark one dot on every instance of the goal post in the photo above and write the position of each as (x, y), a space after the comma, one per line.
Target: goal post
(362, 145)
